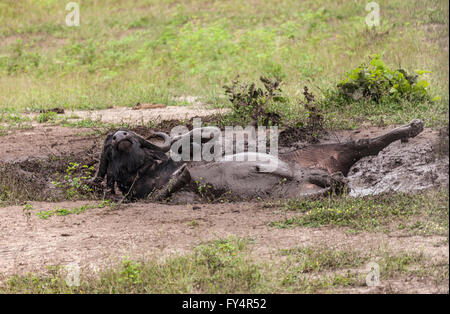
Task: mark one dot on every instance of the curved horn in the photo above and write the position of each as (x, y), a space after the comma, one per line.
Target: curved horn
(167, 140)
(206, 133)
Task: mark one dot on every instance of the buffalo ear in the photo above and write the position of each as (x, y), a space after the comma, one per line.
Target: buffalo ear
(146, 144)
(108, 139)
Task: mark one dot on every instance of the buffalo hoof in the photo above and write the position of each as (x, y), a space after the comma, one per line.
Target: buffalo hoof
(413, 128)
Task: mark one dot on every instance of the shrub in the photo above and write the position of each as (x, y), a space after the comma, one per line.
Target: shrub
(375, 81)
(253, 104)
(46, 116)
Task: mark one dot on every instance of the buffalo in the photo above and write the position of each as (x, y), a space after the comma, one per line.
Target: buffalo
(143, 170)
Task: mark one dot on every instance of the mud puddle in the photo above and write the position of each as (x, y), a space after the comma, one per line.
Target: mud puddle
(419, 164)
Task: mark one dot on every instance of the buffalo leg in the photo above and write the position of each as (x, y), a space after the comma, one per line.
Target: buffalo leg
(341, 157)
(104, 166)
(177, 180)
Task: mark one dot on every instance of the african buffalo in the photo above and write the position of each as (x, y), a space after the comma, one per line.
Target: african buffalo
(144, 170)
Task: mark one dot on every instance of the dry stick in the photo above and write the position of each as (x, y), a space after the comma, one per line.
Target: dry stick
(129, 190)
(143, 168)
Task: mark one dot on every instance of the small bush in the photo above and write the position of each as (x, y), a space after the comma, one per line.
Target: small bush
(251, 104)
(46, 117)
(374, 81)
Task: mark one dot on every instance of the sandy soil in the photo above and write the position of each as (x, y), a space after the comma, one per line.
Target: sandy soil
(103, 236)
(143, 116)
(120, 115)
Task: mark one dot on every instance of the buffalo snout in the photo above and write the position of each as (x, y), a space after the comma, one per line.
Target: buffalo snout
(122, 140)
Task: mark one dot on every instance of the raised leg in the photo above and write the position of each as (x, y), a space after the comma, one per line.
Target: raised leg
(340, 157)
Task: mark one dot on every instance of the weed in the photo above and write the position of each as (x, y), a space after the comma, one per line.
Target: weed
(76, 180)
(49, 116)
(253, 104)
(315, 259)
(10, 121)
(193, 223)
(396, 264)
(130, 273)
(27, 208)
(315, 116)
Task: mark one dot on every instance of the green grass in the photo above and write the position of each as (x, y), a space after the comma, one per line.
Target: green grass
(13, 121)
(228, 266)
(46, 214)
(153, 51)
(312, 259)
(421, 213)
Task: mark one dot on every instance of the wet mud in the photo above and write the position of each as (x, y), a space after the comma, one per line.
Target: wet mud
(419, 164)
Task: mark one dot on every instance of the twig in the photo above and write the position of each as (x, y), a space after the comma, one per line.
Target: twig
(129, 190)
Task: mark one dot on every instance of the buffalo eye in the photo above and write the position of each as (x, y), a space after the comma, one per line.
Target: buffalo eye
(124, 133)
(114, 137)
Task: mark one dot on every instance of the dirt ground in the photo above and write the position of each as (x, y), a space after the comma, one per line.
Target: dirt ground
(103, 236)
(120, 115)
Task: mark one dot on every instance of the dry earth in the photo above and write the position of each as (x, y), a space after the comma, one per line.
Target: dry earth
(102, 237)
(120, 115)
